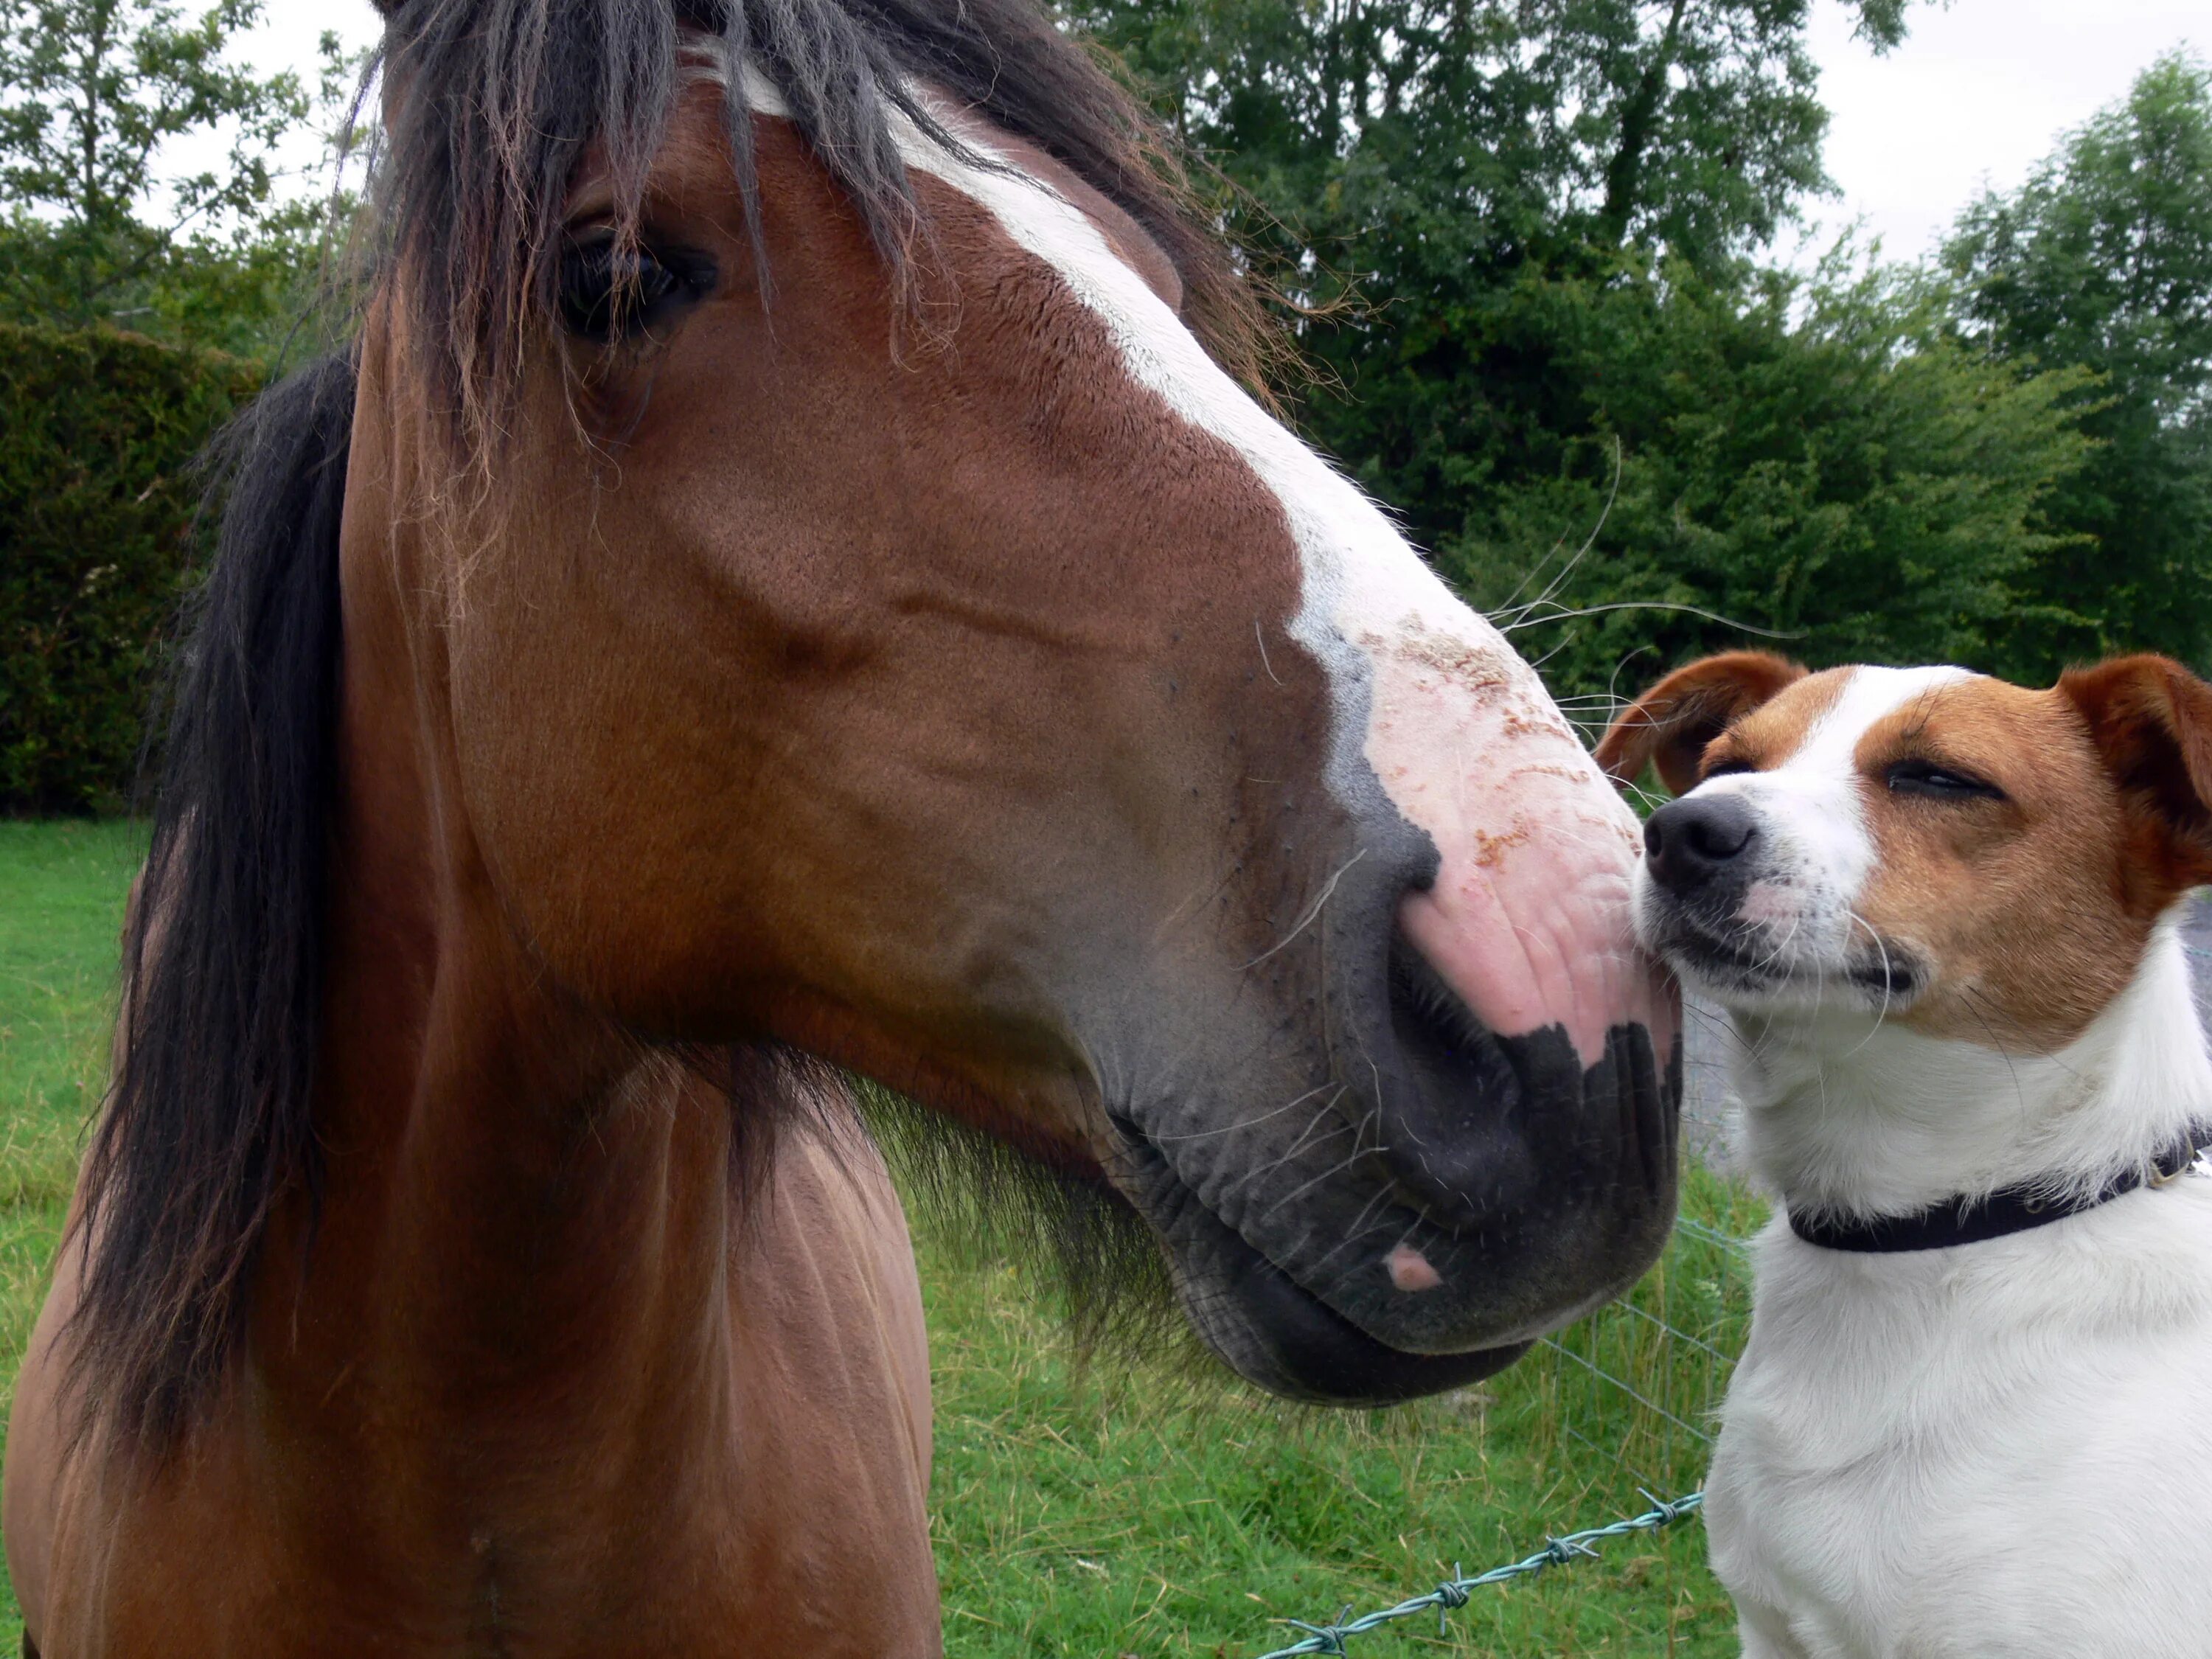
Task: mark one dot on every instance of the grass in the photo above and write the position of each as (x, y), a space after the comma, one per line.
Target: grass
(61, 913)
(1108, 1509)
(1075, 1515)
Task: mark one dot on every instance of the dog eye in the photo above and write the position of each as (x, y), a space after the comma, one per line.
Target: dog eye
(1920, 777)
(1727, 769)
(611, 291)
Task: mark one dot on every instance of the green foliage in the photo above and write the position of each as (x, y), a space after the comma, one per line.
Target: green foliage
(91, 91)
(1421, 147)
(2104, 259)
(1820, 460)
(97, 434)
(1545, 218)
(258, 292)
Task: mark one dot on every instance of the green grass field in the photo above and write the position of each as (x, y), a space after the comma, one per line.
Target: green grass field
(1108, 1507)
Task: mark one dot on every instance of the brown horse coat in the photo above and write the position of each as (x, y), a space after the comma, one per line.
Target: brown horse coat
(940, 668)
(822, 1387)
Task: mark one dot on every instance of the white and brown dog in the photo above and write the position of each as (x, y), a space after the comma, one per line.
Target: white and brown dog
(1939, 909)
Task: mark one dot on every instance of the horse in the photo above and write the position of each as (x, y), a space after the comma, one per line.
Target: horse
(793, 578)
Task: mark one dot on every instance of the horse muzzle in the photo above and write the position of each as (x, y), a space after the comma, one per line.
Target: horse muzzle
(1426, 1196)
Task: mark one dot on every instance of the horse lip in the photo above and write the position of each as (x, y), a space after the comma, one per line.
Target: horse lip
(1486, 1195)
(1138, 1142)
(1308, 1350)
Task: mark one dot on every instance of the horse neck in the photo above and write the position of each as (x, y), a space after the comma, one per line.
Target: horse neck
(529, 1336)
(525, 1216)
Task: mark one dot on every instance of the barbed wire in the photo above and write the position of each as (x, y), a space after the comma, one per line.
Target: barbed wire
(1717, 1353)
(1454, 1592)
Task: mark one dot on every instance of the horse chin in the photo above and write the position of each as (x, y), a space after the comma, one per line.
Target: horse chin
(1546, 1188)
(1276, 1334)
(1264, 1325)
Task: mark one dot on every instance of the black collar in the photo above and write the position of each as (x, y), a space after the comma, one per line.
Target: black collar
(1971, 1220)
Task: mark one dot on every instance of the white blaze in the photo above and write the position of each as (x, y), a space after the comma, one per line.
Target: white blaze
(1529, 918)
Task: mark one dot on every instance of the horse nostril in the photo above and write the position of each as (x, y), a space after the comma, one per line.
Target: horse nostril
(1689, 842)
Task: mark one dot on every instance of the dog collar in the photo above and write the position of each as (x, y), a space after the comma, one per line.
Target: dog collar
(1973, 1220)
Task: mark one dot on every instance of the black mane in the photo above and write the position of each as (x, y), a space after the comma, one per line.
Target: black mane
(209, 1120)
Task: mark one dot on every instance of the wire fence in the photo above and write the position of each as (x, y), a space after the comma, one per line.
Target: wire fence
(1638, 1383)
(1630, 1397)
(1634, 1389)
(1456, 1591)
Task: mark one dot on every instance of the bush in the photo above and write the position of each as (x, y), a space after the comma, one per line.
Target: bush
(98, 430)
(1818, 458)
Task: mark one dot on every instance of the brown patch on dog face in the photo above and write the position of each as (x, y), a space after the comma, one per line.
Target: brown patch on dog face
(1770, 734)
(2013, 895)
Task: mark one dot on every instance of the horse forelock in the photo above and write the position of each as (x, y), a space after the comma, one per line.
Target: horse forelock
(492, 106)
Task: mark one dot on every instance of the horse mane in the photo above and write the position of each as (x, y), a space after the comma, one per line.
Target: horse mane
(206, 1122)
(209, 1119)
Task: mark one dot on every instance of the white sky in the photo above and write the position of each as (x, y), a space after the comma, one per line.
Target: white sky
(288, 39)
(1979, 92)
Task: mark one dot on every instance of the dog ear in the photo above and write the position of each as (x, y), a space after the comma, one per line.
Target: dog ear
(2151, 720)
(1670, 724)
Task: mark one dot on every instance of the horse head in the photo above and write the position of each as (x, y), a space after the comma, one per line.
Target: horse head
(806, 570)
(876, 619)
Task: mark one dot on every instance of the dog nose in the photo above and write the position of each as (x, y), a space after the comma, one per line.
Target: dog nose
(1691, 841)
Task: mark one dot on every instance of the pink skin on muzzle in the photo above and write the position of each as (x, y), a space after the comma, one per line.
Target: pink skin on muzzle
(1529, 921)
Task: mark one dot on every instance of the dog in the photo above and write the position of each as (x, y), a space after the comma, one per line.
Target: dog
(1940, 913)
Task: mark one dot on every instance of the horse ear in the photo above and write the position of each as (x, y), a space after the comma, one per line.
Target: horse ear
(2151, 720)
(1670, 724)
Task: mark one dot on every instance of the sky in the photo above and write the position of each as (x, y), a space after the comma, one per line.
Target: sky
(1977, 93)
(290, 38)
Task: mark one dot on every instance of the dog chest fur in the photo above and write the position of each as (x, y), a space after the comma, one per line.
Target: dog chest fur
(1993, 1450)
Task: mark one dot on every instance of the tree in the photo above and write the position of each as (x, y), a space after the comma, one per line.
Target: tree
(2104, 258)
(98, 430)
(1406, 168)
(1686, 125)
(1820, 458)
(93, 91)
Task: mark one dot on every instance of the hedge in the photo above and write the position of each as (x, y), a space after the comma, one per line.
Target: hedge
(98, 430)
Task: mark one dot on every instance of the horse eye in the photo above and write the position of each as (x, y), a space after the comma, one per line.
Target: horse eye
(612, 291)
(1920, 777)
